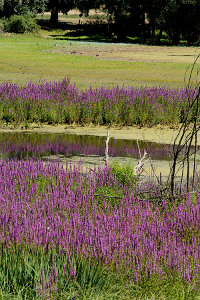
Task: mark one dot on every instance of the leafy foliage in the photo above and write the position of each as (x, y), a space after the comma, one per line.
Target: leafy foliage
(141, 18)
(20, 24)
(21, 7)
(124, 173)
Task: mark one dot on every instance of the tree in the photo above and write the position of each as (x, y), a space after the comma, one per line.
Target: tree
(20, 7)
(179, 17)
(119, 11)
(85, 5)
(138, 18)
(141, 18)
(191, 22)
(153, 9)
(55, 6)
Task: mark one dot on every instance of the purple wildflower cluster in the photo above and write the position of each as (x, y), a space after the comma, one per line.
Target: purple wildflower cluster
(62, 102)
(45, 205)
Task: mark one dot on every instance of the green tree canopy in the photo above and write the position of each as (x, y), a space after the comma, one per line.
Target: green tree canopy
(20, 7)
(141, 18)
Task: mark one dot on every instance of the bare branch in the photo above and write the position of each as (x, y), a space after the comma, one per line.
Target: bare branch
(106, 149)
(139, 167)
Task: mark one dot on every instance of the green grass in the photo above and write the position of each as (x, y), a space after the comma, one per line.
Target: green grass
(31, 57)
(25, 274)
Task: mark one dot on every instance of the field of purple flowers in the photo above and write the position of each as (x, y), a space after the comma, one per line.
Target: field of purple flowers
(62, 102)
(69, 235)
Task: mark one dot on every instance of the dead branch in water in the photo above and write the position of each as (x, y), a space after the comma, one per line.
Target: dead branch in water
(139, 167)
(106, 149)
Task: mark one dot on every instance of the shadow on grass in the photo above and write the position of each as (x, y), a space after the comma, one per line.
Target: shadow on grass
(98, 32)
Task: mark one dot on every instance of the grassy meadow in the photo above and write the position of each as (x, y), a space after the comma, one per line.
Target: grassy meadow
(31, 57)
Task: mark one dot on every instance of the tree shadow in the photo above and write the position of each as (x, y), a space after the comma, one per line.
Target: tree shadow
(97, 32)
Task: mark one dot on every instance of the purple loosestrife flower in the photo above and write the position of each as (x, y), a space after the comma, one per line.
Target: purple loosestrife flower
(134, 236)
(96, 105)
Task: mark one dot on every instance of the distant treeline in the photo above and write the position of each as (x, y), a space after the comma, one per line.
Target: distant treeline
(146, 19)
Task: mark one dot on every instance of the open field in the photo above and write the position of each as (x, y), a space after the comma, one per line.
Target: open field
(29, 57)
(132, 53)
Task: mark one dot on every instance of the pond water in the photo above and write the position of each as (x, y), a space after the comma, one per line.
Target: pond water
(87, 149)
(21, 145)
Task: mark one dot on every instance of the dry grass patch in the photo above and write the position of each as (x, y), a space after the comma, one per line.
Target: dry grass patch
(133, 53)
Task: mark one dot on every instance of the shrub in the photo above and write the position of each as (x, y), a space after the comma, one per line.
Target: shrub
(21, 24)
(124, 173)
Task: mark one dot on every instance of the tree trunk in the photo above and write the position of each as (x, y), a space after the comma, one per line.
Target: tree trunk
(54, 14)
(175, 37)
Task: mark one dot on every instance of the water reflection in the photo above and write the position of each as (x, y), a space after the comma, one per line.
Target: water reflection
(23, 145)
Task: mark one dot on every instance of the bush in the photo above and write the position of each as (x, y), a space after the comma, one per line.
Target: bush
(20, 24)
(124, 173)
